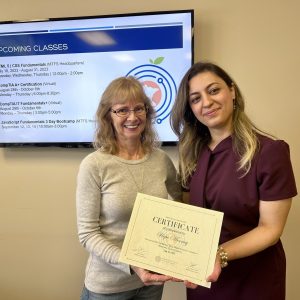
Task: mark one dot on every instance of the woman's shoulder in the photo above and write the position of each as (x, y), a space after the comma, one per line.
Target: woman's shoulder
(160, 157)
(274, 171)
(95, 157)
(273, 152)
(269, 144)
(159, 153)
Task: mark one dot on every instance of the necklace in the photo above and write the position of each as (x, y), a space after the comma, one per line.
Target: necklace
(137, 176)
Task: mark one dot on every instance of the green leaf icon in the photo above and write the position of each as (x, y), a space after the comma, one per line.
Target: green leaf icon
(151, 60)
(158, 60)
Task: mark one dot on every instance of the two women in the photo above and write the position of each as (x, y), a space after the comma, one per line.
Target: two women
(226, 163)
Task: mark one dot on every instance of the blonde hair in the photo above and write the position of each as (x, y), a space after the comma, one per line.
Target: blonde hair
(191, 132)
(121, 90)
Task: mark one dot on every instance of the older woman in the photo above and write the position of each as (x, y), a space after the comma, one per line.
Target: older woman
(126, 161)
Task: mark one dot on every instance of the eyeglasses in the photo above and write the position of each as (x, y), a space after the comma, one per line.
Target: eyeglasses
(125, 112)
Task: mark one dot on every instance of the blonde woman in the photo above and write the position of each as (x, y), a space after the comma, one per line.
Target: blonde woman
(127, 160)
(228, 164)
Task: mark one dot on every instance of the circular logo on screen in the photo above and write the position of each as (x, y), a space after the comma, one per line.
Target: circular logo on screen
(159, 86)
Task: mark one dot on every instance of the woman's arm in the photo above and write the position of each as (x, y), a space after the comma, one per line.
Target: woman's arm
(88, 199)
(273, 216)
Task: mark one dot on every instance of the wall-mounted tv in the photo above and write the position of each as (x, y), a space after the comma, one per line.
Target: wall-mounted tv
(53, 72)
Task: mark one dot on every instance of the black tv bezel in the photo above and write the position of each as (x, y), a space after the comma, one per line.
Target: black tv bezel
(90, 144)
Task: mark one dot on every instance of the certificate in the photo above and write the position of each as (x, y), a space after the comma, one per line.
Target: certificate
(172, 238)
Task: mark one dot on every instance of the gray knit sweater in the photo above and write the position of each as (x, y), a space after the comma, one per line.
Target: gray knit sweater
(107, 186)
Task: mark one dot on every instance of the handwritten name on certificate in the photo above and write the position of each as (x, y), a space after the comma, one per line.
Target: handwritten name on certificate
(172, 238)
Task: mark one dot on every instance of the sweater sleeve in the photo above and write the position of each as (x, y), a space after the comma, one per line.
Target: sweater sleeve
(88, 199)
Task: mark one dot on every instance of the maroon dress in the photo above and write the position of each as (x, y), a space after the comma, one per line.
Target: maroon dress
(217, 184)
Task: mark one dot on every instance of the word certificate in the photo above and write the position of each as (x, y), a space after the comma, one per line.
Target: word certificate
(172, 238)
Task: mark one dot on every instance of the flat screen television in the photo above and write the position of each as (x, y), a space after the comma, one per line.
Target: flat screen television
(53, 72)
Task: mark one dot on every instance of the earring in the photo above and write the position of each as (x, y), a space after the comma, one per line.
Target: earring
(234, 105)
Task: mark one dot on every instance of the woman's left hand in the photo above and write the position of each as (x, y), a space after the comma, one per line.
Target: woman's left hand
(213, 277)
(149, 278)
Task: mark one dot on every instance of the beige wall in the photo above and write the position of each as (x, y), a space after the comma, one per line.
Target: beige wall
(257, 41)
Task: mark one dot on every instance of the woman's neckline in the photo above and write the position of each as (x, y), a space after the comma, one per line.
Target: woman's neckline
(221, 145)
(131, 153)
(132, 161)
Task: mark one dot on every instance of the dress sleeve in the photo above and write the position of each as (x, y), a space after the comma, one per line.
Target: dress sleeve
(88, 198)
(274, 172)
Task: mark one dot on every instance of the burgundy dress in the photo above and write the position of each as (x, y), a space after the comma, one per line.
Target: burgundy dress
(216, 184)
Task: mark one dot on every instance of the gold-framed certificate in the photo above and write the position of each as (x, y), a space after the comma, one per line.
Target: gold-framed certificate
(172, 238)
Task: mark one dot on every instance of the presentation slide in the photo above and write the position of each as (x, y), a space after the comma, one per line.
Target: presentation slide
(52, 73)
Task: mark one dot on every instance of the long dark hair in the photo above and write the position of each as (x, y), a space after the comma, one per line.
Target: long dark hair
(193, 135)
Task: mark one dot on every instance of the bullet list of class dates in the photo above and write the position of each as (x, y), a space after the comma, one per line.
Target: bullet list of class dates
(28, 89)
(30, 108)
(41, 69)
(43, 124)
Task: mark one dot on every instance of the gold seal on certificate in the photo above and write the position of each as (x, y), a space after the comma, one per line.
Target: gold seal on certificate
(172, 238)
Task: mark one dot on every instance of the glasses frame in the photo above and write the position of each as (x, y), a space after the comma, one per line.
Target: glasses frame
(117, 111)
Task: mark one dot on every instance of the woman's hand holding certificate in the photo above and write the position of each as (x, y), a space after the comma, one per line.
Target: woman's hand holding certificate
(149, 278)
(171, 238)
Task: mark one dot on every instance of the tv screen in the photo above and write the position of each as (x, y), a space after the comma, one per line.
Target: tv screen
(53, 72)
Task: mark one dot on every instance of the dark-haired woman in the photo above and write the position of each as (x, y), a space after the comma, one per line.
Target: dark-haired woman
(228, 164)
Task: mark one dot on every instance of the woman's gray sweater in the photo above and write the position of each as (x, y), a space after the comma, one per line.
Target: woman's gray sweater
(107, 186)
